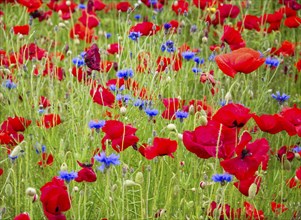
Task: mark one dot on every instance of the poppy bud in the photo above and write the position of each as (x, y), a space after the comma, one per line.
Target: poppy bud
(114, 187)
(180, 136)
(68, 3)
(139, 178)
(35, 198)
(123, 110)
(129, 183)
(64, 167)
(252, 190)
(171, 127)
(8, 190)
(203, 184)
(228, 97)
(75, 189)
(203, 120)
(30, 191)
(204, 40)
(191, 110)
(297, 156)
(286, 164)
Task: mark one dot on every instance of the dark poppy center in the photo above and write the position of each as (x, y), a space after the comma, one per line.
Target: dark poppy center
(239, 125)
(244, 153)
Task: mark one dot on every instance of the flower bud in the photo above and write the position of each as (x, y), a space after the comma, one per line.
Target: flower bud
(203, 120)
(64, 167)
(75, 189)
(252, 190)
(30, 191)
(129, 183)
(8, 189)
(204, 40)
(191, 110)
(203, 184)
(171, 127)
(139, 178)
(228, 97)
(123, 110)
(180, 136)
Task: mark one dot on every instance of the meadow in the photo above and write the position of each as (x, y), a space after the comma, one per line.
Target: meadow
(187, 109)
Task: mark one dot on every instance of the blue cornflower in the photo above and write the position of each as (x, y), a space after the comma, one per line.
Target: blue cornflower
(139, 103)
(196, 70)
(297, 149)
(153, 2)
(41, 111)
(82, 6)
(280, 98)
(83, 54)
(137, 17)
(123, 98)
(222, 178)
(134, 36)
(272, 62)
(167, 26)
(181, 115)
(188, 55)
(193, 28)
(198, 60)
(66, 176)
(43, 148)
(112, 87)
(96, 124)
(151, 112)
(125, 74)
(108, 35)
(9, 84)
(78, 61)
(113, 159)
(163, 47)
(212, 57)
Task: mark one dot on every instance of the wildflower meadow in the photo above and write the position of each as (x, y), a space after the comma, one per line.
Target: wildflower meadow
(150, 109)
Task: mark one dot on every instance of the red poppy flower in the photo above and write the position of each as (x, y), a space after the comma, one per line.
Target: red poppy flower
(80, 74)
(47, 160)
(224, 11)
(286, 49)
(22, 216)
(114, 48)
(249, 157)
(92, 57)
(10, 138)
(15, 124)
(30, 5)
(201, 105)
(204, 140)
(55, 199)
(224, 211)
(233, 38)
(180, 7)
(32, 51)
(243, 60)
(274, 124)
(53, 71)
(102, 96)
(293, 115)
(250, 22)
(292, 22)
(278, 208)
(24, 29)
(89, 20)
(44, 102)
(121, 136)
(99, 5)
(244, 185)
(252, 213)
(202, 4)
(298, 65)
(49, 121)
(283, 151)
(161, 147)
(83, 33)
(233, 115)
(87, 173)
(1, 171)
(172, 105)
(145, 28)
(123, 6)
